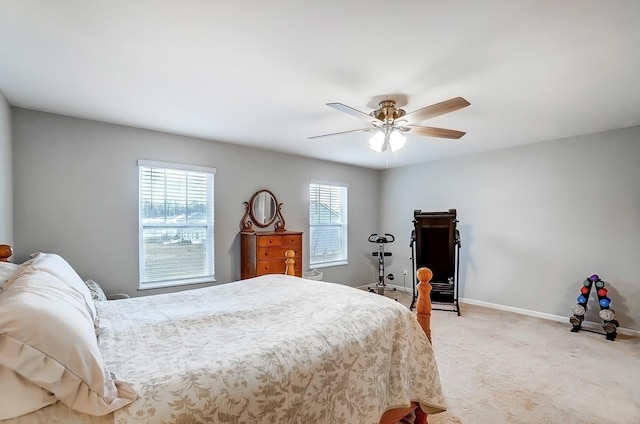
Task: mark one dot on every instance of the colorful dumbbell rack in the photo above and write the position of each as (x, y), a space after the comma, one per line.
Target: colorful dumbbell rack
(609, 324)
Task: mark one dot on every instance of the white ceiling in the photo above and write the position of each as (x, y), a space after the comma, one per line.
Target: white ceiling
(259, 72)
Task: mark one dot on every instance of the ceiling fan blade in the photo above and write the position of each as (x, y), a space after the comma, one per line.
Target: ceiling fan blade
(434, 132)
(342, 132)
(435, 110)
(353, 112)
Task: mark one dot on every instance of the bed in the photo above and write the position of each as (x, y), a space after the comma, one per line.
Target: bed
(270, 349)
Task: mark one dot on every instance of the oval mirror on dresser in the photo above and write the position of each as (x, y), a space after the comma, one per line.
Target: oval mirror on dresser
(263, 208)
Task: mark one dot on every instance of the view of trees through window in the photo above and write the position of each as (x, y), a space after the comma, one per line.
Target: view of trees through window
(176, 225)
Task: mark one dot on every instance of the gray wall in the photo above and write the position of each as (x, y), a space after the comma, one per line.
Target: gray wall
(6, 174)
(535, 221)
(76, 188)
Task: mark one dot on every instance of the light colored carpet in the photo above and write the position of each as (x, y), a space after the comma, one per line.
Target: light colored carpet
(499, 367)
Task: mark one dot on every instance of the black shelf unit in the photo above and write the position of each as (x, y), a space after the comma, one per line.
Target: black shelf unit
(435, 244)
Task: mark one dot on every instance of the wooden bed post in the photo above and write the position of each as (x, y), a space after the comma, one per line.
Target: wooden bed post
(423, 311)
(290, 262)
(5, 252)
(423, 307)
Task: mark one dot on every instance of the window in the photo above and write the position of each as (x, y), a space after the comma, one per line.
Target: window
(327, 224)
(175, 224)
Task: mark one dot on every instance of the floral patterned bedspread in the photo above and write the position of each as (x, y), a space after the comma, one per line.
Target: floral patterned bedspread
(273, 349)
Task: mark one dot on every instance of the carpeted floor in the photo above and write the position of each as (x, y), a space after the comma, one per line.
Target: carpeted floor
(499, 367)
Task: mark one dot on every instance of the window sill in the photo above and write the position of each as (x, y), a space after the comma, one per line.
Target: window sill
(175, 283)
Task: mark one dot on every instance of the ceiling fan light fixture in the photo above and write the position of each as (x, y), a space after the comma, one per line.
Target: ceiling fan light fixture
(376, 142)
(397, 140)
(391, 123)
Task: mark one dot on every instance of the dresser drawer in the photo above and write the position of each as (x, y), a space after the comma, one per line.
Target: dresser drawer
(271, 253)
(265, 241)
(291, 240)
(271, 267)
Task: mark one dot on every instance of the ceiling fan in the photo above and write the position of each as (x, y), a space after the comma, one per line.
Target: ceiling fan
(389, 123)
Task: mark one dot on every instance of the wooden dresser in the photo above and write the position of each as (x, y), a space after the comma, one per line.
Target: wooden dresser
(262, 252)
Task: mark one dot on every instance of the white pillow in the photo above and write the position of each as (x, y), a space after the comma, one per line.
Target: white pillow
(97, 294)
(47, 337)
(20, 396)
(60, 268)
(7, 269)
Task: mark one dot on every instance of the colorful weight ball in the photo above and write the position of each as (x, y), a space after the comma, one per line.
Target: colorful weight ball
(599, 284)
(587, 283)
(607, 314)
(578, 310)
(602, 292)
(581, 299)
(605, 302)
(584, 290)
(609, 327)
(594, 277)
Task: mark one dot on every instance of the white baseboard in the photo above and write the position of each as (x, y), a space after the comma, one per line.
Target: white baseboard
(590, 325)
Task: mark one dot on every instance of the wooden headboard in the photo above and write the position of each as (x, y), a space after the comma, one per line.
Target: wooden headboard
(5, 252)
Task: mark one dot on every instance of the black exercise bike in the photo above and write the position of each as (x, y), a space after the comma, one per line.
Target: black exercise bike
(381, 241)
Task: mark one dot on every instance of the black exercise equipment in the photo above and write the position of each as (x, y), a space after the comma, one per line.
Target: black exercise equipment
(381, 241)
(435, 244)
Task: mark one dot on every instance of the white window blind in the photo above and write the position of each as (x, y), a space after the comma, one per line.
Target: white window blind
(327, 224)
(176, 231)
